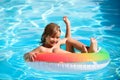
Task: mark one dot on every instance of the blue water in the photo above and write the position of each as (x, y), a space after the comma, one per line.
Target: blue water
(22, 23)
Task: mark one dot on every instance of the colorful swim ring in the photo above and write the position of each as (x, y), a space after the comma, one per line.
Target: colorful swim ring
(70, 62)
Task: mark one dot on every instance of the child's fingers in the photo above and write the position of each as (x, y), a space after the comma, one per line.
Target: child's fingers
(33, 55)
(64, 18)
(32, 58)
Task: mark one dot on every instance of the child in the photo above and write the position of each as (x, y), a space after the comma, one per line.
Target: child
(51, 42)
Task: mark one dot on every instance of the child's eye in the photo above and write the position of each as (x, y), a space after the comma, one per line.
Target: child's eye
(52, 36)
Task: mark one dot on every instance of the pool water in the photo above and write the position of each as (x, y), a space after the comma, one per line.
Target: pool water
(22, 23)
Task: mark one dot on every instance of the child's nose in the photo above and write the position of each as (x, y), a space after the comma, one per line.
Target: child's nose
(55, 39)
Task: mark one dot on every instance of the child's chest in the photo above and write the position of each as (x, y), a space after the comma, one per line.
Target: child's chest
(49, 49)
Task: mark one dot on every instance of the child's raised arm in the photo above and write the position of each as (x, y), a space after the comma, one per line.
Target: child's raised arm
(67, 22)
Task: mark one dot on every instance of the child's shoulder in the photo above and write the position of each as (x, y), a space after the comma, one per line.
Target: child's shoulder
(62, 41)
(41, 47)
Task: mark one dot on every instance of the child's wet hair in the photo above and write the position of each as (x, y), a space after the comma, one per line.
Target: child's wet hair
(50, 29)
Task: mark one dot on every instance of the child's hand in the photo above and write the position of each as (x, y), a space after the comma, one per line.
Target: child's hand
(66, 20)
(30, 56)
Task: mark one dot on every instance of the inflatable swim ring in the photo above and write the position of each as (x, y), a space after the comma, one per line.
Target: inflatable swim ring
(70, 62)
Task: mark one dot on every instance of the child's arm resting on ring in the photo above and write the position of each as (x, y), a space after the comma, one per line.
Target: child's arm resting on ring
(29, 57)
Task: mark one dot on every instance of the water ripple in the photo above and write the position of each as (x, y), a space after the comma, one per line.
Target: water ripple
(22, 23)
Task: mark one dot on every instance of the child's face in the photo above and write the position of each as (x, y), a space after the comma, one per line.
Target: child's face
(52, 40)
